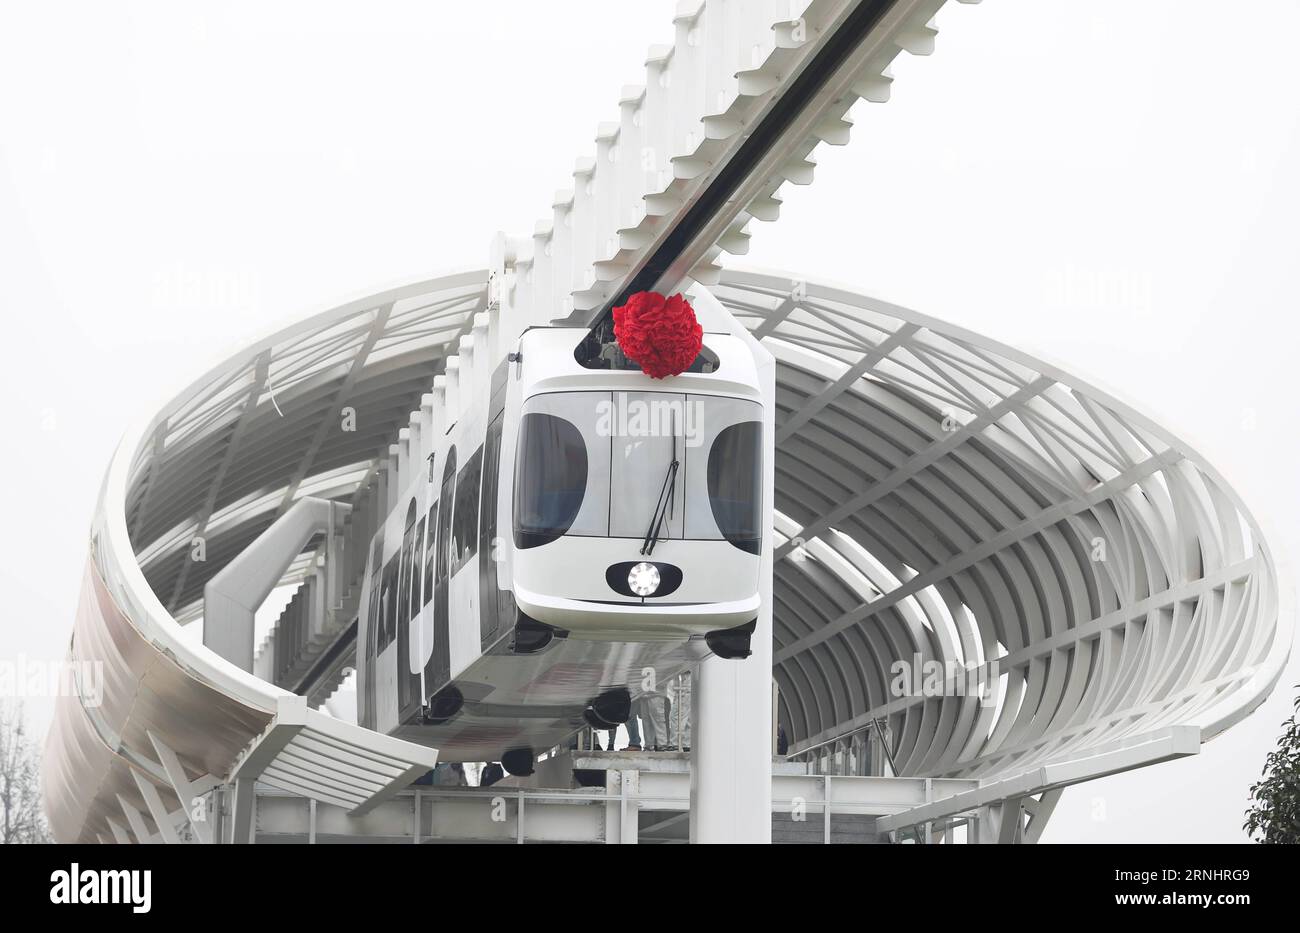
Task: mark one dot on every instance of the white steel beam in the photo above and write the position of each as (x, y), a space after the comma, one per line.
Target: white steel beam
(119, 834)
(833, 391)
(157, 810)
(592, 815)
(257, 385)
(182, 787)
(1029, 527)
(329, 422)
(231, 597)
(1039, 812)
(728, 114)
(309, 753)
(135, 821)
(1174, 742)
(243, 820)
(1023, 656)
(918, 462)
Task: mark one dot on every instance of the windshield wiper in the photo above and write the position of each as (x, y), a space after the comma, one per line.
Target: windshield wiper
(664, 504)
(662, 508)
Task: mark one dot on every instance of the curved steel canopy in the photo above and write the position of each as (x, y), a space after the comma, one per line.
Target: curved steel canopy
(940, 498)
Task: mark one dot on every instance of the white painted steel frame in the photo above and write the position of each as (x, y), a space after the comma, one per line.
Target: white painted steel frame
(952, 496)
(949, 492)
(223, 459)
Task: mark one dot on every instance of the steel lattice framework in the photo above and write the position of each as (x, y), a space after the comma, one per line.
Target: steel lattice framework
(946, 498)
(940, 498)
(219, 463)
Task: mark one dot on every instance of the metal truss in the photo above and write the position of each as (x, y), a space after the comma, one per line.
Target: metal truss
(1077, 576)
(727, 115)
(1094, 594)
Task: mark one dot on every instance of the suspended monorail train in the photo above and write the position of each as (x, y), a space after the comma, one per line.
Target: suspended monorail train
(582, 534)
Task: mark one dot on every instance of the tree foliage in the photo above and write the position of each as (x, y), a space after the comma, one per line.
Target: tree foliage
(21, 817)
(1274, 814)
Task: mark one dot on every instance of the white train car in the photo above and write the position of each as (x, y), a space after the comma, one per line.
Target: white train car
(582, 533)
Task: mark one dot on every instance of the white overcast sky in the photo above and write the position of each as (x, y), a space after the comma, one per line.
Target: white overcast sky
(1111, 184)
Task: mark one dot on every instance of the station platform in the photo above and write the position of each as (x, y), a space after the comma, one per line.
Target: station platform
(643, 797)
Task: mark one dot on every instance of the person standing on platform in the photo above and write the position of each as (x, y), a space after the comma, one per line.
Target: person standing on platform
(679, 713)
(654, 716)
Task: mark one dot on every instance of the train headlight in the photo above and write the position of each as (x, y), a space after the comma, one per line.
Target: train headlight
(643, 579)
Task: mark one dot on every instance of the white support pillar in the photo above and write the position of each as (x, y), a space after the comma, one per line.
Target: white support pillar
(157, 809)
(731, 737)
(1040, 811)
(135, 821)
(244, 820)
(183, 789)
(622, 813)
(119, 834)
(1000, 823)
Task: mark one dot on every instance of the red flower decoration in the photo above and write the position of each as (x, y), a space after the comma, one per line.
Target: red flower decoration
(659, 334)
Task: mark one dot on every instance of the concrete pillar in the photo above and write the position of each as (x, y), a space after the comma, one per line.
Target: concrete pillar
(731, 742)
(244, 818)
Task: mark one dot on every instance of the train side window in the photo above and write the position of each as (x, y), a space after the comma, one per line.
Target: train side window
(376, 584)
(429, 552)
(417, 563)
(487, 518)
(464, 534)
(444, 519)
(405, 574)
(389, 603)
(487, 523)
(381, 640)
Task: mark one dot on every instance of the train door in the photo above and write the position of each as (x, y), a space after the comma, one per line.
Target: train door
(438, 670)
(406, 575)
(385, 661)
(463, 594)
(496, 606)
(426, 638)
(367, 674)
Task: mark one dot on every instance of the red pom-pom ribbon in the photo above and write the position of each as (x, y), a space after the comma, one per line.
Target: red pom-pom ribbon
(659, 334)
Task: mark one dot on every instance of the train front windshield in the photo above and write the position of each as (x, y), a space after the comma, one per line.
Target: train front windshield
(600, 464)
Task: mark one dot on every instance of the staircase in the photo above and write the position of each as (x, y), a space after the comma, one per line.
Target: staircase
(312, 644)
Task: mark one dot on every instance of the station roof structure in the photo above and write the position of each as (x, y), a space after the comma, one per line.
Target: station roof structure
(943, 502)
